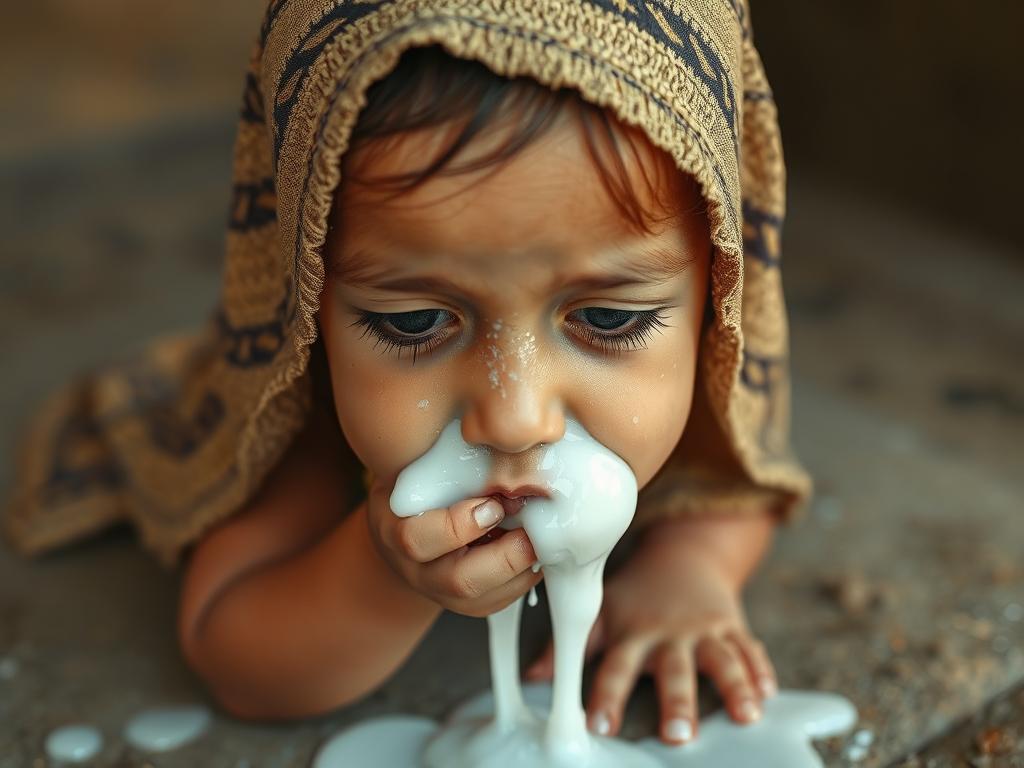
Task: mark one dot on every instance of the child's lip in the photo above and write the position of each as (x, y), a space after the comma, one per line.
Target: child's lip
(512, 505)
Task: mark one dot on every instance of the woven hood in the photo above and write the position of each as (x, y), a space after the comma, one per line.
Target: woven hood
(182, 436)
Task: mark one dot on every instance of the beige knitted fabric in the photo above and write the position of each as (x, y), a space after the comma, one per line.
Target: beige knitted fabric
(181, 437)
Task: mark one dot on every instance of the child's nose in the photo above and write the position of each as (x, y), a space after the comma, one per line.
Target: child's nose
(513, 419)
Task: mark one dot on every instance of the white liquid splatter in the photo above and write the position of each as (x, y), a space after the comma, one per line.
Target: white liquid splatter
(592, 501)
(74, 743)
(780, 739)
(636, 419)
(160, 730)
(423, 404)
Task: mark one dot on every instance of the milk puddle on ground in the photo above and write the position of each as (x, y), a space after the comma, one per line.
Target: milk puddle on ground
(592, 501)
(152, 730)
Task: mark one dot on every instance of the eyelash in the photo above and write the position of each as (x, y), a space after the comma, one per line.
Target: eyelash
(646, 321)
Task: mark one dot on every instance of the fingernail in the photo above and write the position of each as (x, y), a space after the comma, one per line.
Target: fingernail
(749, 711)
(600, 724)
(678, 729)
(769, 686)
(488, 513)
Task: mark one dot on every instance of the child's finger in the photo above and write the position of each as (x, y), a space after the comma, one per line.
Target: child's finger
(435, 533)
(595, 641)
(613, 683)
(758, 664)
(720, 661)
(470, 574)
(676, 681)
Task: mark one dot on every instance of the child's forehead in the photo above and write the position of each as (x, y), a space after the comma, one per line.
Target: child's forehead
(547, 198)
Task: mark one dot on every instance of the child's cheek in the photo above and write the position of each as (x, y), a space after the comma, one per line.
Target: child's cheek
(645, 415)
(389, 421)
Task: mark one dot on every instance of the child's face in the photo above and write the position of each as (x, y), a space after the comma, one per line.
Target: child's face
(524, 297)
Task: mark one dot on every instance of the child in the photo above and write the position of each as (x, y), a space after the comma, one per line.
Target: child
(617, 205)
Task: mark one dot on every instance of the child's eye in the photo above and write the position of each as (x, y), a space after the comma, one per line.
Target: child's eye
(423, 330)
(614, 330)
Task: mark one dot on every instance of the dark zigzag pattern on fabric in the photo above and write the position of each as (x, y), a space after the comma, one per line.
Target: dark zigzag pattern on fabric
(247, 346)
(253, 205)
(644, 19)
(756, 223)
(732, 215)
(155, 397)
(179, 435)
(761, 373)
(297, 69)
(68, 480)
(295, 72)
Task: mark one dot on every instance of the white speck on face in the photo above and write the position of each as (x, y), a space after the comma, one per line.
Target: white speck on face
(636, 419)
(423, 404)
(495, 367)
(526, 348)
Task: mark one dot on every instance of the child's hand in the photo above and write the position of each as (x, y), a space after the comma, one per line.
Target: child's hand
(436, 555)
(672, 616)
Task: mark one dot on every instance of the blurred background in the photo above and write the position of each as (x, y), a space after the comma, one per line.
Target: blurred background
(902, 589)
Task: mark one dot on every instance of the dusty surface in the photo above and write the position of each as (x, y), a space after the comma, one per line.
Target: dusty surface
(990, 738)
(903, 589)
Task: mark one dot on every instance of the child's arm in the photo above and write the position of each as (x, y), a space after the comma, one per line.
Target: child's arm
(287, 612)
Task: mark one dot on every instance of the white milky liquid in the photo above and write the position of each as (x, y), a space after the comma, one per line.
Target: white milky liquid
(74, 743)
(160, 730)
(592, 501)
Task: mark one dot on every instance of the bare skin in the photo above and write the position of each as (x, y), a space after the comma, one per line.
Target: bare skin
(526, 297)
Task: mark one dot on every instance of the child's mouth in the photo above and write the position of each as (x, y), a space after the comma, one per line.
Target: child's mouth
(512, 502)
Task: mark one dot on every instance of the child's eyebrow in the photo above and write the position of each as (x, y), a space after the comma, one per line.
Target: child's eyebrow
(650, 264)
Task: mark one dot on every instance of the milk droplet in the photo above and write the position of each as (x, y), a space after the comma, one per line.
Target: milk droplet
(160, 730)
(74, 743)
(532, 599)
(423, 404)
(636, 419)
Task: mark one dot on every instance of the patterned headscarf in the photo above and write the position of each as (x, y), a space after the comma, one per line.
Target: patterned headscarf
(182, 436)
